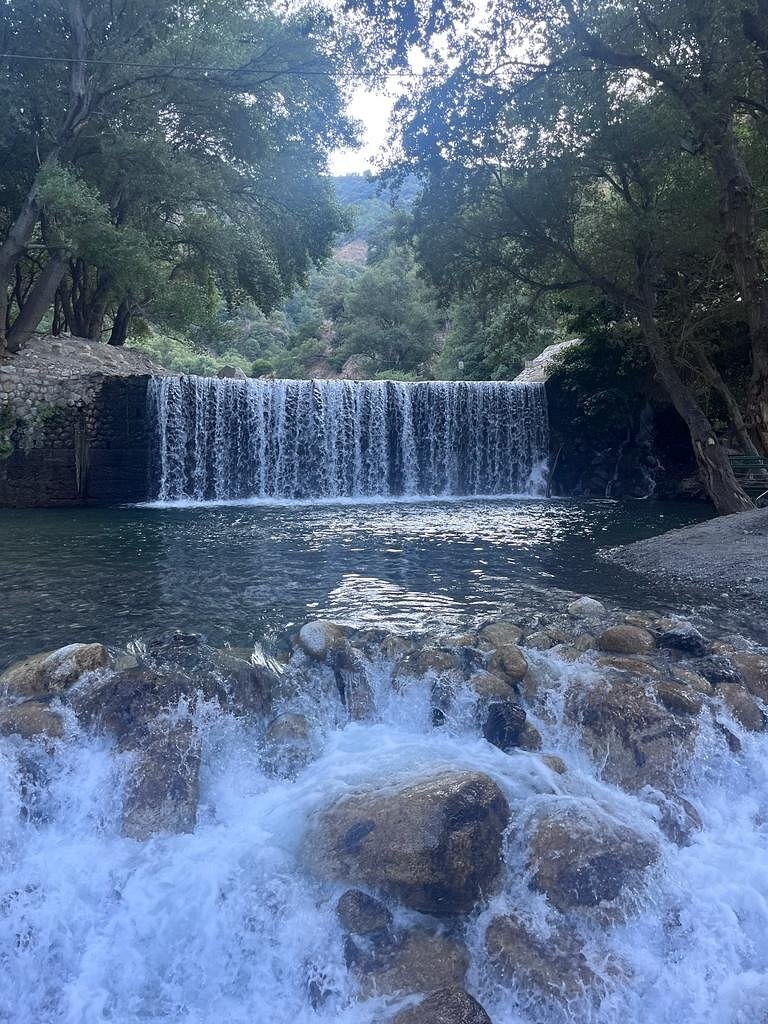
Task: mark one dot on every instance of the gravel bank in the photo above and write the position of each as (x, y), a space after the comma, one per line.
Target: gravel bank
(729, 553)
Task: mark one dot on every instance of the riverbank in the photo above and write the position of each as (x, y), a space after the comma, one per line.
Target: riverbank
(728, 555)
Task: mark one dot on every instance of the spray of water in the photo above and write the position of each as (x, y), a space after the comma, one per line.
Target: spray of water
(223, 924)
(231, 439)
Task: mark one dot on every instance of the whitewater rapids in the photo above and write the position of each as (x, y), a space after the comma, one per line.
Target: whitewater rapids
(223, 925)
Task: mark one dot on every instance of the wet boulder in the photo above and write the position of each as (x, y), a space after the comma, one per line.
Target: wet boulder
(428, 661)
(678, 698)
(552, 966)
(490, 685)
(30, 719)
(581, 858)
(446, 1006)
(319, 639)
(508, 661)
(586, 608)
(162, 788)
(541, 640)
(434, 845)
(753, 669)
(500, 634)
(362, 914)
(680, 635)
(53, 672)
(626, 639)
(416, 961)
(504, 723)
(287, 745)
(742, 706)
(636, 739)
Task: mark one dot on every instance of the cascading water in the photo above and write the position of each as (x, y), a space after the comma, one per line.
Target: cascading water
(232, 439)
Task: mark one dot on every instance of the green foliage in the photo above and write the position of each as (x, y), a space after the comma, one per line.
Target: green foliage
(390, 316)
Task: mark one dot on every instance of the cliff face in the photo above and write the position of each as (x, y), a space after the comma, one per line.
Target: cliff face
(73, 426)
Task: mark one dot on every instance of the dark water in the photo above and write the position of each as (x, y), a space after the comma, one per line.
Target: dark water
(242, 572)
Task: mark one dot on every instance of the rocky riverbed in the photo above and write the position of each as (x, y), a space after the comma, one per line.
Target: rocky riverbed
(446, 830)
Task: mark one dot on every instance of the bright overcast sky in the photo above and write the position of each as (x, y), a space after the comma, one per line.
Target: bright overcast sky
(373, 110)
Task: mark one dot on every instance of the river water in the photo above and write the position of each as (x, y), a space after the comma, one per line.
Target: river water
(223, 925)
(239, 573)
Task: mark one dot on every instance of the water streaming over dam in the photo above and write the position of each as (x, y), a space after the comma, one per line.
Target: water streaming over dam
(231, 439)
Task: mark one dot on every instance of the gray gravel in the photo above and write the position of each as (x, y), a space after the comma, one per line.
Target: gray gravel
(729, 554)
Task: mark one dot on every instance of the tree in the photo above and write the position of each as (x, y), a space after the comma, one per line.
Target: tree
(565, 190)
(200, 131)
(390, 315)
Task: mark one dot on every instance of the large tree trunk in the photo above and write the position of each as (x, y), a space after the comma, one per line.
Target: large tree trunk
(716, 473)
(38, 302)
(737, 196)
(13, 249)
(121, 325)
(715, 380)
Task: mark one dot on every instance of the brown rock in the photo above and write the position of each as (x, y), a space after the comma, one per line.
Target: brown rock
(554, 966)
(635, 666)
(416, 962)
(53, 672)
(504, 723)
(427, 661)
(491, 685)
(743, 706)
(362, 914)
(30, 719)
(626, 640)
(509, 661)
(557, 764)
(500, 634)
(585, 642)
(753, 669)
(434, 845)
(693, 680)
(446, 1006)
(679, 699)
(162, 789)
(539, 641)
(631, 734)
(584, 859)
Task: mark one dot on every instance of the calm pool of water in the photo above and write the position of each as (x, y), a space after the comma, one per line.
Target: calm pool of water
(239, 573)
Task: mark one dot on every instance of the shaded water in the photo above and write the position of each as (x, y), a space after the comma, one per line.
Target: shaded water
(237, 573)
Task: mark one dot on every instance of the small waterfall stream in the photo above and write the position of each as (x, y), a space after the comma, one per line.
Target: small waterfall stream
(231, 439)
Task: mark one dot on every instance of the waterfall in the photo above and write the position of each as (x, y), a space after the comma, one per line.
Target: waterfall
(298, 439)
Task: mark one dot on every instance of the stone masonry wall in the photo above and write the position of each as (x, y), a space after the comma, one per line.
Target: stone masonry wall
(73, 425)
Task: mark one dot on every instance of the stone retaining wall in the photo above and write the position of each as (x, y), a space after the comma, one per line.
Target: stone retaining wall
(73, 425)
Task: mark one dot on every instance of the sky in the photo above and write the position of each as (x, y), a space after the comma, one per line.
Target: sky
(372, 109)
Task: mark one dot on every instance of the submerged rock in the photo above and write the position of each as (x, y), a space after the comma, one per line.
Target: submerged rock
(287, 745)
(30, 719)
(53, 672)
(626, 640)
(434, 845)
(417, 961)
(584, 859)
(162, 789)
(553, 966)
(446, 1006)
(491, 685)
(362, 914)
